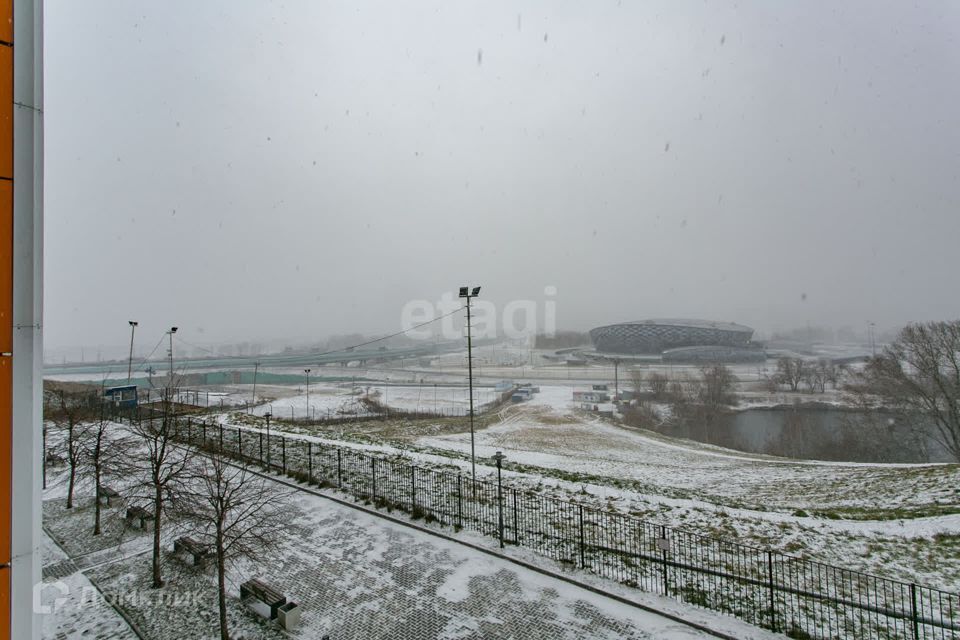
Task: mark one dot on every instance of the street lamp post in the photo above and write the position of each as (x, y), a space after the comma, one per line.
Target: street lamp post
(133, 327)
(466, 292)
(307, 371)
(499, 458)
(172, 331)
(268, 415)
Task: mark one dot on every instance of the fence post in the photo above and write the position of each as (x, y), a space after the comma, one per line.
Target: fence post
(663, 554)
(221, 438)
(913, 610)
(309, 462)
(516, 521)
(239, 444)
(261, 448)
(459, 503)
(339, 474)
(500, 505)
(583, 563)
(773, 602)
(373, 477)
(204, 423)
(413, 489)
(283, 453)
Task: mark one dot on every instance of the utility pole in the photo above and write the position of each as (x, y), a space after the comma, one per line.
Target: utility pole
(465, 292)
(133, 327)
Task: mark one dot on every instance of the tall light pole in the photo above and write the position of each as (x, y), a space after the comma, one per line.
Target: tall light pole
(170, 333)
(133, 327)
(307, 371)
(466, 292)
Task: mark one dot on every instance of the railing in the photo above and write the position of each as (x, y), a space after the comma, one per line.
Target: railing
(801, 598)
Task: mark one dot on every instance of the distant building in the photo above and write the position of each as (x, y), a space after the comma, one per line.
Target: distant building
(124, 396)
(657, 336)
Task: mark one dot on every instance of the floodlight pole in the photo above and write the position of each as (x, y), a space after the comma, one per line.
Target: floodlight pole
(172, 331)
(465, 292)
(473, 463)
(133, 327)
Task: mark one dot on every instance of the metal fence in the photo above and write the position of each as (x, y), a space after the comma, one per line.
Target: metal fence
(801, 598)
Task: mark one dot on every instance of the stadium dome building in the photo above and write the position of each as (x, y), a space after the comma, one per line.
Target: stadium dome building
(653, 337)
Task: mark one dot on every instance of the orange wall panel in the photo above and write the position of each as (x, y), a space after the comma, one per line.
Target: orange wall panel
(6, 461)
(6, 266)
(6, 111)
(4, 604)
(6, 20)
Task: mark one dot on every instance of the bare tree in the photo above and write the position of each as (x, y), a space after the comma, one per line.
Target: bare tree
(164, 471)
(106, 454)
(658, 383)
(718, 386)
(70, 413)
(791, 372)
(817, 375)
(240, 515)
(919, 374)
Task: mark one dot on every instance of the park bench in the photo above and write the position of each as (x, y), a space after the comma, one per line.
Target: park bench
(140, 515)
(197, 551)
(106, 495)
(287, 613)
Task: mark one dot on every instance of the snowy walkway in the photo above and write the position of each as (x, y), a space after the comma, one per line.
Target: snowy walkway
(362, 577)
(356, 576)
(79, 612)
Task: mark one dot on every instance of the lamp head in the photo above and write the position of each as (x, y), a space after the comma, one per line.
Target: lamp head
(463, 292)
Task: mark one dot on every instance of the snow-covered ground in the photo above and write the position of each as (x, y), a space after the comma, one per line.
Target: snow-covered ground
(326, 400)
(895, 520)
(355, 576)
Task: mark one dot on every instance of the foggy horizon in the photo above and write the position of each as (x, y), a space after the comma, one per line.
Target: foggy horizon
(264, 173)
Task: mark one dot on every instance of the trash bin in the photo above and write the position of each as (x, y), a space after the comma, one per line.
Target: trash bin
(288, 615)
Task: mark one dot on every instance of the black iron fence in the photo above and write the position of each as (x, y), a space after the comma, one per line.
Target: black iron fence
(798, 597)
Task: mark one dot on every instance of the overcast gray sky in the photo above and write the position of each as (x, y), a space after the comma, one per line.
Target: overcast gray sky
(255, 170)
